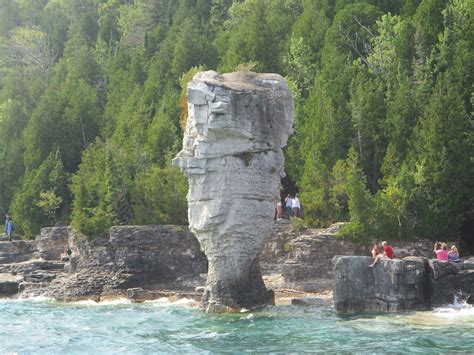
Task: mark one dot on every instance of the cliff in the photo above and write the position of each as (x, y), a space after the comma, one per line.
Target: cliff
(411, 283)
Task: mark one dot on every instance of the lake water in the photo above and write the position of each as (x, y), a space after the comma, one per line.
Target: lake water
(42, 326)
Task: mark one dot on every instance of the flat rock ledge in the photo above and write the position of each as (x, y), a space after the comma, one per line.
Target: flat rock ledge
(409, 284)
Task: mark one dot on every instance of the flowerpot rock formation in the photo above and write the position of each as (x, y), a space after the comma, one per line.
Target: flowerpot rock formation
(232, 155)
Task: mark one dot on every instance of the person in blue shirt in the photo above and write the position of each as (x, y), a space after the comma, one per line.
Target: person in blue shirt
(9, 227)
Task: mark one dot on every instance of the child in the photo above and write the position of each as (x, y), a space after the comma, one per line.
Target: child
(375, 250)
(453, 254)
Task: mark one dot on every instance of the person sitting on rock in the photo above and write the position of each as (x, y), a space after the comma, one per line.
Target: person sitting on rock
(453, 254)
(441, 251)
(375, 250)
(387, 253)
(66, 254)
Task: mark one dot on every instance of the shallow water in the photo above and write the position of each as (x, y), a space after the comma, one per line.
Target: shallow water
(42, 326)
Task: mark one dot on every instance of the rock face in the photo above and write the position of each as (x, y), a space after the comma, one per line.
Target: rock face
(232, 156)
(412, 283)
(51, 242)
(152, 257)
(452, 280)
(392, 285)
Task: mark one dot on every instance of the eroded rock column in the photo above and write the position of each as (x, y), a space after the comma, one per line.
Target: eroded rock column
(237, 125)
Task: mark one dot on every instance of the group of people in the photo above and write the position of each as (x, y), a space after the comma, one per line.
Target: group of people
(442, 253)
(292, 208)
(387, 252)
(9, 227)
(440, 249)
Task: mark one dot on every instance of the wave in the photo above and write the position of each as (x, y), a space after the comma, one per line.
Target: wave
(113, 302)
(165, 301)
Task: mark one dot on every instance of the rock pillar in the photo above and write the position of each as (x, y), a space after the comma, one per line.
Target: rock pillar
(237, 125)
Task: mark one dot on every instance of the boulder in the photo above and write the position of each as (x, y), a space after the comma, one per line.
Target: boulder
(391, 285)
(451, 281)
(8, 288)
(51, 242)
(152, 253)
(232, 155)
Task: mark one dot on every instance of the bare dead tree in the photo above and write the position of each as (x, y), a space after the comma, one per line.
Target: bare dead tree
(34, 52)
(365, 44)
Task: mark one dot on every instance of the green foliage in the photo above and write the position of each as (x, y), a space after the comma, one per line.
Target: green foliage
(297, 225)
(49, 203)
(95, 90)
(44, 187)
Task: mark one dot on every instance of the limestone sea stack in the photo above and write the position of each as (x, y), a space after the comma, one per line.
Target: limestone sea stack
(232, 155)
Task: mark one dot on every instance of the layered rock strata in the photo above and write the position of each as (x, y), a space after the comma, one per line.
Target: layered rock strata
(237, 125)
(412, 283)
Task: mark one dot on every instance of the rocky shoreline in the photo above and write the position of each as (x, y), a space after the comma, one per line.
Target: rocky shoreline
(150, 262)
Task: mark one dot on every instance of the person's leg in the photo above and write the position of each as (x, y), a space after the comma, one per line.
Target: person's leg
(377, 258)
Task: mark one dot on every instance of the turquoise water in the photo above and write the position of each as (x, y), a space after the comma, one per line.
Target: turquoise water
(41, 326)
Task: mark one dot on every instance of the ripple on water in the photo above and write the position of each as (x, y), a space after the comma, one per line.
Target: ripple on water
(45, 326)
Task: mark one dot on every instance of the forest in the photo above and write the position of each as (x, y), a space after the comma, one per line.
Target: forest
(93, 103)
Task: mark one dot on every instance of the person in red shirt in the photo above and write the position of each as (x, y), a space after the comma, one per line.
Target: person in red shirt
(387, 253)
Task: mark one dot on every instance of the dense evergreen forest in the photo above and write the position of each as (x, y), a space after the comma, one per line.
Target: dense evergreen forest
(92, 104)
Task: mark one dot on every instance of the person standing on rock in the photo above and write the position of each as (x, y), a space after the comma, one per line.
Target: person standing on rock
(279, 211)
(295, 206)
(288, 205)
(387, 253)
(9, 227)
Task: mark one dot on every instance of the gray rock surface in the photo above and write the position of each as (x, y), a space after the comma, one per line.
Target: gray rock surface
(232, 155)
(451, 280)
(8, 288)
(412, 283)
(151, 257)
(51, 242)
(389, 286)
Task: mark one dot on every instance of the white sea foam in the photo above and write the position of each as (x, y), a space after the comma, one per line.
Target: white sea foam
(34, 299)
(103, 303)
(165, 301)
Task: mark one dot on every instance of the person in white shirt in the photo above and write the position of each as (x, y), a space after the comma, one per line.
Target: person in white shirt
(295, 207)
(288, 206)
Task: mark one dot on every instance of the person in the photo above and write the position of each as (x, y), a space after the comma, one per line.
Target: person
(375, 250)
(279, 211)
(288, 203)
(295, 207)
(66, 254)
(441, 251)
(9, 227)
(387, 253)
(453, 254)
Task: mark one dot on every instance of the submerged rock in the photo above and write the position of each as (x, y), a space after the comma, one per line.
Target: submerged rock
(232, 156)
